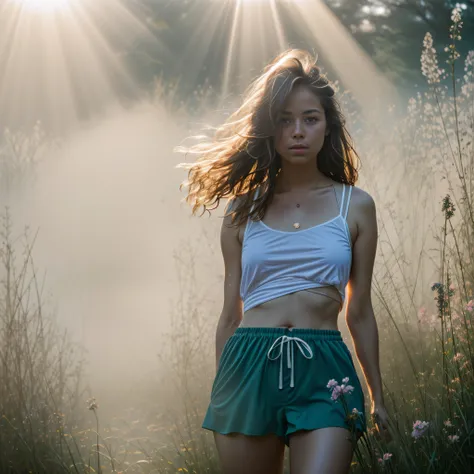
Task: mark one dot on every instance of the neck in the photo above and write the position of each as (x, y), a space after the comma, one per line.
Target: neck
(300, 177)
(301, 182)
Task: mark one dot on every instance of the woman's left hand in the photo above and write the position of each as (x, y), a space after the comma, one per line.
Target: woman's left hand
(380, 418)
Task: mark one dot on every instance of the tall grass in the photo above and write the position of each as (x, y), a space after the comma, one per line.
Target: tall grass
(50, 423)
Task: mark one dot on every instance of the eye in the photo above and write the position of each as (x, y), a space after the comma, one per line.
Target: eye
(313, 118)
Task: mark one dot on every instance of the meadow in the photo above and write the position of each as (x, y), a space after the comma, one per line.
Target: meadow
(423, 295)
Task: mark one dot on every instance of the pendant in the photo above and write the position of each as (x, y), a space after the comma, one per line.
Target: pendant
(296, 225)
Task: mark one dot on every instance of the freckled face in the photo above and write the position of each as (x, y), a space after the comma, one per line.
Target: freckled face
(302, 121)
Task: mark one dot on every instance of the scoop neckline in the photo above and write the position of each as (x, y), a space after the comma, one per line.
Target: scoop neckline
(299, 231)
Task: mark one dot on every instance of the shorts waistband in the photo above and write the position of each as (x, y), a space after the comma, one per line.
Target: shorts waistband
(319, 334)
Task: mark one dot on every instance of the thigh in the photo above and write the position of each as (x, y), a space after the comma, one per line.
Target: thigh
(325, 451)
(241, 454)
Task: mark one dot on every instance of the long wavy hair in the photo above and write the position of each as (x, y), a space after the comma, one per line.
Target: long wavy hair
(242, 157)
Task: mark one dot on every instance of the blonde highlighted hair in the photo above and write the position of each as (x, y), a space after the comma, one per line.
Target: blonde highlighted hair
(241, 157)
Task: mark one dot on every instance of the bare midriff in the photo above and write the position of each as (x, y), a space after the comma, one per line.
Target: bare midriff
(303, 309)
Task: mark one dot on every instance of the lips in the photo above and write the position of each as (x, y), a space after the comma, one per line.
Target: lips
(298, 147)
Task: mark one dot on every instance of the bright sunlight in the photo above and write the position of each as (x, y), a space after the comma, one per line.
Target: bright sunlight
(45, 5)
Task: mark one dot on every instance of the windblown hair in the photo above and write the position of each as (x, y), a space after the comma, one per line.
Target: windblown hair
(242, 156)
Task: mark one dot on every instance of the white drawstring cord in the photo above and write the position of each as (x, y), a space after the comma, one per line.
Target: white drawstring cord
(302, 346)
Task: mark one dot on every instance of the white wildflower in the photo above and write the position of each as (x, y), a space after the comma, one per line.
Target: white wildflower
(429, 61)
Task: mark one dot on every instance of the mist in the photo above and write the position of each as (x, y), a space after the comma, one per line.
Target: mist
(137, 281)
(110, 222)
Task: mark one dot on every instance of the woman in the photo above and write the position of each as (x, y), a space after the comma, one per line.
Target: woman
(298, 232)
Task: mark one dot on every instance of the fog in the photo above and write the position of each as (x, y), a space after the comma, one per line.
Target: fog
(117, 248)
(107, 208)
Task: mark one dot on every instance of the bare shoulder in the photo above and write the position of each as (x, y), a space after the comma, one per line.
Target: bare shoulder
(232, 229)
(363, 210)
(362, 198)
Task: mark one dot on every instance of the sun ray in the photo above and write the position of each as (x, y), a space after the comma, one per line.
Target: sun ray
(309, 24)
(44, 6)
(62, 66)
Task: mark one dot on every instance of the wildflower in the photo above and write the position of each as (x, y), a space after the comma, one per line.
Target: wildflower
(458, 356)
(412, 105)
(336, 392)
(337, 389)
(386, 457)
(448, 423)
(470, 306)
(454, 31)
(425, 319)
(456, 15)
(347, 388)
(429, 61)
(419, 428)
(92, 405)
(453, 438)
(422, 312)
(354, 414)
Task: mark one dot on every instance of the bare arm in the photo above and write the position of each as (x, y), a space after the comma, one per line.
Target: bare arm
(231, 314)
(360, 316)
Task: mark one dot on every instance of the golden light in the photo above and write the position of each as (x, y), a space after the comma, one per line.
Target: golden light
(61, 60)
(45, 5)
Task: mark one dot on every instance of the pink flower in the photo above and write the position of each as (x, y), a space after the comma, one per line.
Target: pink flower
(458, 356)
(386, 457)
(424, 318)
(448, 423)
(453, 438)
(337, 390)
(422, 312)
(470, 306)
(347, 388)
(419, 428)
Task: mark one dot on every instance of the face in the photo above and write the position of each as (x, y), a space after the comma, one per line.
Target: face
(301, 122)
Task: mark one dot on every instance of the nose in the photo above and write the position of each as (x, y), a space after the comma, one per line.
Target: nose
(298, 129)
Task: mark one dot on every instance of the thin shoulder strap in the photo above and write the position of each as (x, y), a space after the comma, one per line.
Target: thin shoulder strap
(348, 201)
(255, 198)
(342, 200)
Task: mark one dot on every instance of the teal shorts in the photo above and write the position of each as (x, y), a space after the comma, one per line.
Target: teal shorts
(275, 380)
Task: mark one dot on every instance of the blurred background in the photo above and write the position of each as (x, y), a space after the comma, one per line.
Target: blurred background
(96, 94)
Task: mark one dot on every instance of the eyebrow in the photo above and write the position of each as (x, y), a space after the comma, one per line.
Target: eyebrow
(310, 111)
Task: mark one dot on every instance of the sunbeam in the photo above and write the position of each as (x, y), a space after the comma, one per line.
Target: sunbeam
(257, 29)
(61, 59)
(45, 5)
